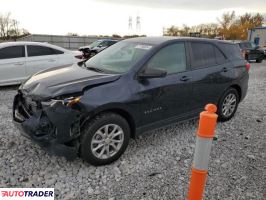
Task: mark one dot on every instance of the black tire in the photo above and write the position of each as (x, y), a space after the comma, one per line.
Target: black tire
(90, 129)
(259, 60)
(221, 116)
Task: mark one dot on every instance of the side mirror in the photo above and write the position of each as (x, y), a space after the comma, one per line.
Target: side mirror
(100, 45)
(152, 73)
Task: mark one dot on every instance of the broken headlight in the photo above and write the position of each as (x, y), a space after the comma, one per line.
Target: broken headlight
(70, 101)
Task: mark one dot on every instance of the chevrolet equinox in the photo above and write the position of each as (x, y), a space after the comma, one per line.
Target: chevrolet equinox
(91, 109)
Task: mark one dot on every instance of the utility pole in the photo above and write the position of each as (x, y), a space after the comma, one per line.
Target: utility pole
(130, 23)
(138, 26)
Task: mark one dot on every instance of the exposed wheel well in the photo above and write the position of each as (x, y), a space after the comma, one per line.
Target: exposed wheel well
(238, 88)
(122, 113)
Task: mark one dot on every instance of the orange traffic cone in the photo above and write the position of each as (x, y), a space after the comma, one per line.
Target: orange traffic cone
(205, 134)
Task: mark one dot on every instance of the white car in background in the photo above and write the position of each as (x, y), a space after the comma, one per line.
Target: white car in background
(19, 60)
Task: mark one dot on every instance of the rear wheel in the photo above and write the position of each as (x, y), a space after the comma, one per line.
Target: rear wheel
(228, 104)
(104, 139)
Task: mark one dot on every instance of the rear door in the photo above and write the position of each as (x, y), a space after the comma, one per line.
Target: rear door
(12, 64)
(210, 73)
(167, 97)
(40, 58)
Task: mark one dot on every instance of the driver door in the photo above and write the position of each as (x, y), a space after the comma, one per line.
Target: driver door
(166, 98)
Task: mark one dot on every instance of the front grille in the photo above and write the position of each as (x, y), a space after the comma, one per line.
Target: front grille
(30, 105)
(24, 107)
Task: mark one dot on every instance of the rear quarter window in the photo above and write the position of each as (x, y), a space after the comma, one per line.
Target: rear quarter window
(232, 51)
(35, 50)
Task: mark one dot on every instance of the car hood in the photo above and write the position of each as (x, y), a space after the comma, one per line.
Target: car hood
(63, 80)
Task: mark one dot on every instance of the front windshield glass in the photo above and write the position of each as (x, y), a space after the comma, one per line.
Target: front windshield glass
(253, 45)
(95, 44)
(120, 57)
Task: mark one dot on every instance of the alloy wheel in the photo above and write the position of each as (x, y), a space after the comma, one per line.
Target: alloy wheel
(229, 105)
(107, 141)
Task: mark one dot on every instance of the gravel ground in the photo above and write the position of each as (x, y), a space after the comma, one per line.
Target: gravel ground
(155, 166)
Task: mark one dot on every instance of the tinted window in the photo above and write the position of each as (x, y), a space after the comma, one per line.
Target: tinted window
(34, 50)
(202, 55)
(171, 58)
(12, 52)
(247, 45)
(220, 58)
(104, 44)
(111, 42)
(232, 51)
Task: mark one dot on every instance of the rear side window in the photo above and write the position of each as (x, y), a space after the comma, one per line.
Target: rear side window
(171, 58)
(111, 43)
(202, 55)
(35, 50)
(232, 51)
(12, 52)
(220, 58)
(104, 44)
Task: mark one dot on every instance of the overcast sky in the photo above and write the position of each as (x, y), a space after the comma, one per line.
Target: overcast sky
(106, 17)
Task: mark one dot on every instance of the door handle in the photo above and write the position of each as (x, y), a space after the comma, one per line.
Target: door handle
(51, 60)
(185, 78)
(225, 69)
(19, 63)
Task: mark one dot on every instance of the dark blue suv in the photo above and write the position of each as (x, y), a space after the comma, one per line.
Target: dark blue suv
(92, 108)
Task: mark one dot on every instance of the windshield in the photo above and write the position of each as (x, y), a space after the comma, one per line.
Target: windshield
(95, 44)
(120, 57)
(247, 45)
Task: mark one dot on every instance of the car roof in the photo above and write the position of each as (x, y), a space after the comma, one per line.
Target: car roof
(107, 40)
(163, 39)
(7, 44)
(241, 41)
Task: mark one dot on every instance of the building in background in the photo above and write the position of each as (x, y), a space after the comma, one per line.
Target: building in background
(258, 36)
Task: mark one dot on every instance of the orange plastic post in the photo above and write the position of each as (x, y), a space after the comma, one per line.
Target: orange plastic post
(205, 134)
(197, 184)
(207, 122)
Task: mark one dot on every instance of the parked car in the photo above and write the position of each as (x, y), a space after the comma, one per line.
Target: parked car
(263, 49)
(93, 108)
(95, 47)
(20, 60)
(251, 52)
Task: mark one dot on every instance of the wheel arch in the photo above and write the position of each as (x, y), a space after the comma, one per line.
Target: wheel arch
(239, 90)
(117, 110)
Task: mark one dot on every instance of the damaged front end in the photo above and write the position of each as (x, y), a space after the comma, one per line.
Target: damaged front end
(54, 124)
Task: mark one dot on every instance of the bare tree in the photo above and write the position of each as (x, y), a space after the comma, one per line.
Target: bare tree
(9, 27)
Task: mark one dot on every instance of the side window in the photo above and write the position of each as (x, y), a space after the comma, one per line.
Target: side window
(35, 50)
(12, 52)
(104, 44)
(231, 51)
(55, 51)
(220, 58)
(171, 58)
(202, 55)
(111, 43)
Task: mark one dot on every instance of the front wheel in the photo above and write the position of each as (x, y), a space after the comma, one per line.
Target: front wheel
(104, 139)
(228, 104)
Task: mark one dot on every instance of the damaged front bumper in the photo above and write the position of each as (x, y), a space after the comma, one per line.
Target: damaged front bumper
(55, 127)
